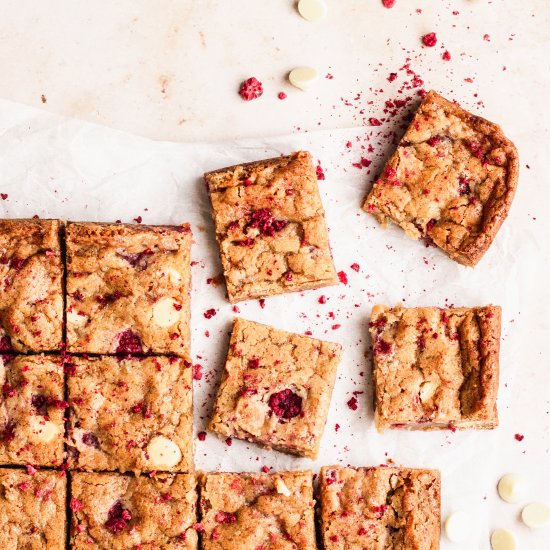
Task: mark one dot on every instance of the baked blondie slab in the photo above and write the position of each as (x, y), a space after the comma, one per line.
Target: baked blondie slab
(380, 508)
(31, 295)
(270, 227)
(436, 368)
(130, 414)
(32, 510)
(276, 388)
(128, 288)
(122, 512)
(31, 410)
(251, 511)
(451, 179)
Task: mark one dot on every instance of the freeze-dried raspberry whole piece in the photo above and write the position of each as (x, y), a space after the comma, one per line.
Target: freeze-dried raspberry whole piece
(429, 40)
(5, 344)
(383, 347)
(139, 260)
(388, 3)
(39, 402)
(226, 517)
(263, 221)
(76, 505)
(285, 404)
(91, 440)
(251, 89)
(118, 518)
(129, 342)
(8, 433)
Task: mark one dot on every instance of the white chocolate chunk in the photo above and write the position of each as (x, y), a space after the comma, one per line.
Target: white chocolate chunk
(502, 539)
(41, 430)
(173, 275)
(535, 515)
(164, 312)
(75, 319)
(312, 10)
(302, 77)
(457, 526)
(511, 488)
(281, 487)
(163, 452)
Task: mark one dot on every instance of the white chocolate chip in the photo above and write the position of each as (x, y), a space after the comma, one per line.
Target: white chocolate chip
(511, 488)
(502, 539)
(173, 275)
(75, 319)
(535, 515)
(302, 77)
(164, 312)
(457, 526)
(427, 389)
(163, 453)
(281, 487)
(312, 10)
(41, 430)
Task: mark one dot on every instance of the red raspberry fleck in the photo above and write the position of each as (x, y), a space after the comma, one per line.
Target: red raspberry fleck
(320, 172)
(177, 307)
(118, 518)
(197, 372)
(446, 55)
(201, 436)
(281, 95)
(343, 277)
(362, 531)
(452, 427)
(229, 442)
(209, 313)
(383, 347)
(139, 260)
(322, 299)
(24, 486)
(3, 196)
(355, 267)
(380, 510)
(254, 363)
(429, 40)
(463, 186)
(334, 538)
(336, 327)
(76, 505)
(519, 437)
(129, 342)
(434, 140)
(374, 122)
(226, 517)
(7, 390)
(388, 3)
(392, 77)
(262, 302)
(5, 344)
(365, 162)
(139, 219)
(285, 404)
(352, 403)
(91, 440)
(430, 225)
(251, 89)
(265, 469)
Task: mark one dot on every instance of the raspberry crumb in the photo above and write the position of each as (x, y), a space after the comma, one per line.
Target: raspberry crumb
(388, 3)
(352, 403)
(3, 196)
(322, 299)
(197, 372)
(355, 267)
(343, 277)
(229, 442)
(281, 95)
(201, 436)
(446, 55)
(519, 437)
(76, 505)
(374, 122)
(429, 40)
(251, 89)
(320, 172)
(209, 313)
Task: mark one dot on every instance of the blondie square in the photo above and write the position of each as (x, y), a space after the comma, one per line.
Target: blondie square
(451, 180)
(270, 227)
(436, 368)
(130, 414)
(276, 388)
(31, 410)
(380, 508)
(250, 511)
(31, 295)
(128, 288)
(32, 510)
(120, 512)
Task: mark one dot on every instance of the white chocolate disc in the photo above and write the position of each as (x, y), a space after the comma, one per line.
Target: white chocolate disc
(457, 526)
(535, 515)
(502, 539)
(164, 312)
(173, 275)
(302, 77)
(511, 488)
(42, 431)
(312, 10)
(163, 453)
(281, 487)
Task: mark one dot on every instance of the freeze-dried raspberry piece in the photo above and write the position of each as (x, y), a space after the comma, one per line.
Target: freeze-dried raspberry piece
(139, 260)
(91, 440)
(429, 40)
(285, 404)
(129, 342)
(118, 518)
(251, 89)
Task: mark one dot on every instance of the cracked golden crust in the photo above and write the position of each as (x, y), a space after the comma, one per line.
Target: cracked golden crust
(31, 295)
(452, 179)
(28, 435)
(126, 277)
(32, 510)
(125, 403)
(286, 361)
(251, 511)
(292, 258)
(380, 508)
(163, 511)
(436, 368)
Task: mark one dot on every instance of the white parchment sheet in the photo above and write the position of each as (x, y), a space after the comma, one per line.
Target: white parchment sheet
(55, 167)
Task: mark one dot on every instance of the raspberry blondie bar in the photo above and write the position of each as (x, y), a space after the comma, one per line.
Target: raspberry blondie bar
(130, 414)
(128, 288)
(276, 388)
(31, 410)
(436, 368)
(452, 180)
(32, 510)
(270, 227)
(257, 511)
(380, 508)
(31, 296)
(118, 512)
